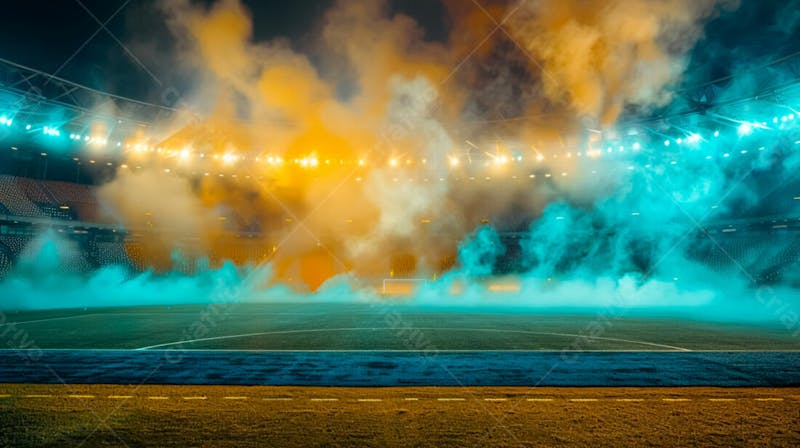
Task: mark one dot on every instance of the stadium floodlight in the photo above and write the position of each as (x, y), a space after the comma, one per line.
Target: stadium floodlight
(6, 121)
(454, 161)
(637, 146)
(52, 132)
(716, 133)
(745, 129)
(666, 142)
(693, 138)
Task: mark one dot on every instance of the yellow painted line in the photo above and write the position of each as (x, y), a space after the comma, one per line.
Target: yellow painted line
(4, 395)
(495, 399)
(38, 396)
(538, 399)
(675, 399)
(629, 399)
(324, 399)
(721, 399)
(195, 398)
(580, 400)
(450, 399)
(234, 398)
(769, 399)
(411, 399)
(80, 396)
(370, 399)
(277, 399)
(120, 397)
(158, 398)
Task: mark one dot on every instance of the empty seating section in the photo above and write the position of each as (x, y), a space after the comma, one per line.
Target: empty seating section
(109, 253)
(34, 191)
(5, 264)
(80, 198)
(47, 199)
(15, 243)
(15, 200)
(763, 257)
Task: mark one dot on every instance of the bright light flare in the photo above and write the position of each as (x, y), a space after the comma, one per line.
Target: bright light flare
(229, 158)
(745, 129)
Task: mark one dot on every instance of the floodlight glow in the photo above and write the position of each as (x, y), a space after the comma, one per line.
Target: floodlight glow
(716, 133)
(745, 129)
(52, 132)
(637, 146)
(454, 161)
(666, 142)
(693, 138)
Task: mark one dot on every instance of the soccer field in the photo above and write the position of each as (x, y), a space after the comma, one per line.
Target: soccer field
(315, 327)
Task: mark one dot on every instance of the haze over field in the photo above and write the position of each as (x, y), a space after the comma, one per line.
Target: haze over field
(564, 125)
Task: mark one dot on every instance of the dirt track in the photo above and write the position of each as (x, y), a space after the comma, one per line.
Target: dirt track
(42, 415)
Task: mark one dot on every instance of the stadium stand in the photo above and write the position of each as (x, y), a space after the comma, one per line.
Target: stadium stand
(15, 243)
(112, 253)
(5, 264)
(15, 200)
(80, 198)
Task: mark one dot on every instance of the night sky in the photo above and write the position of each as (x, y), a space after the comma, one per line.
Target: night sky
(56, 36)
(44, 33)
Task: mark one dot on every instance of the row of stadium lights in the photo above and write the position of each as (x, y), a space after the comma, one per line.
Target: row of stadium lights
(692, 139)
